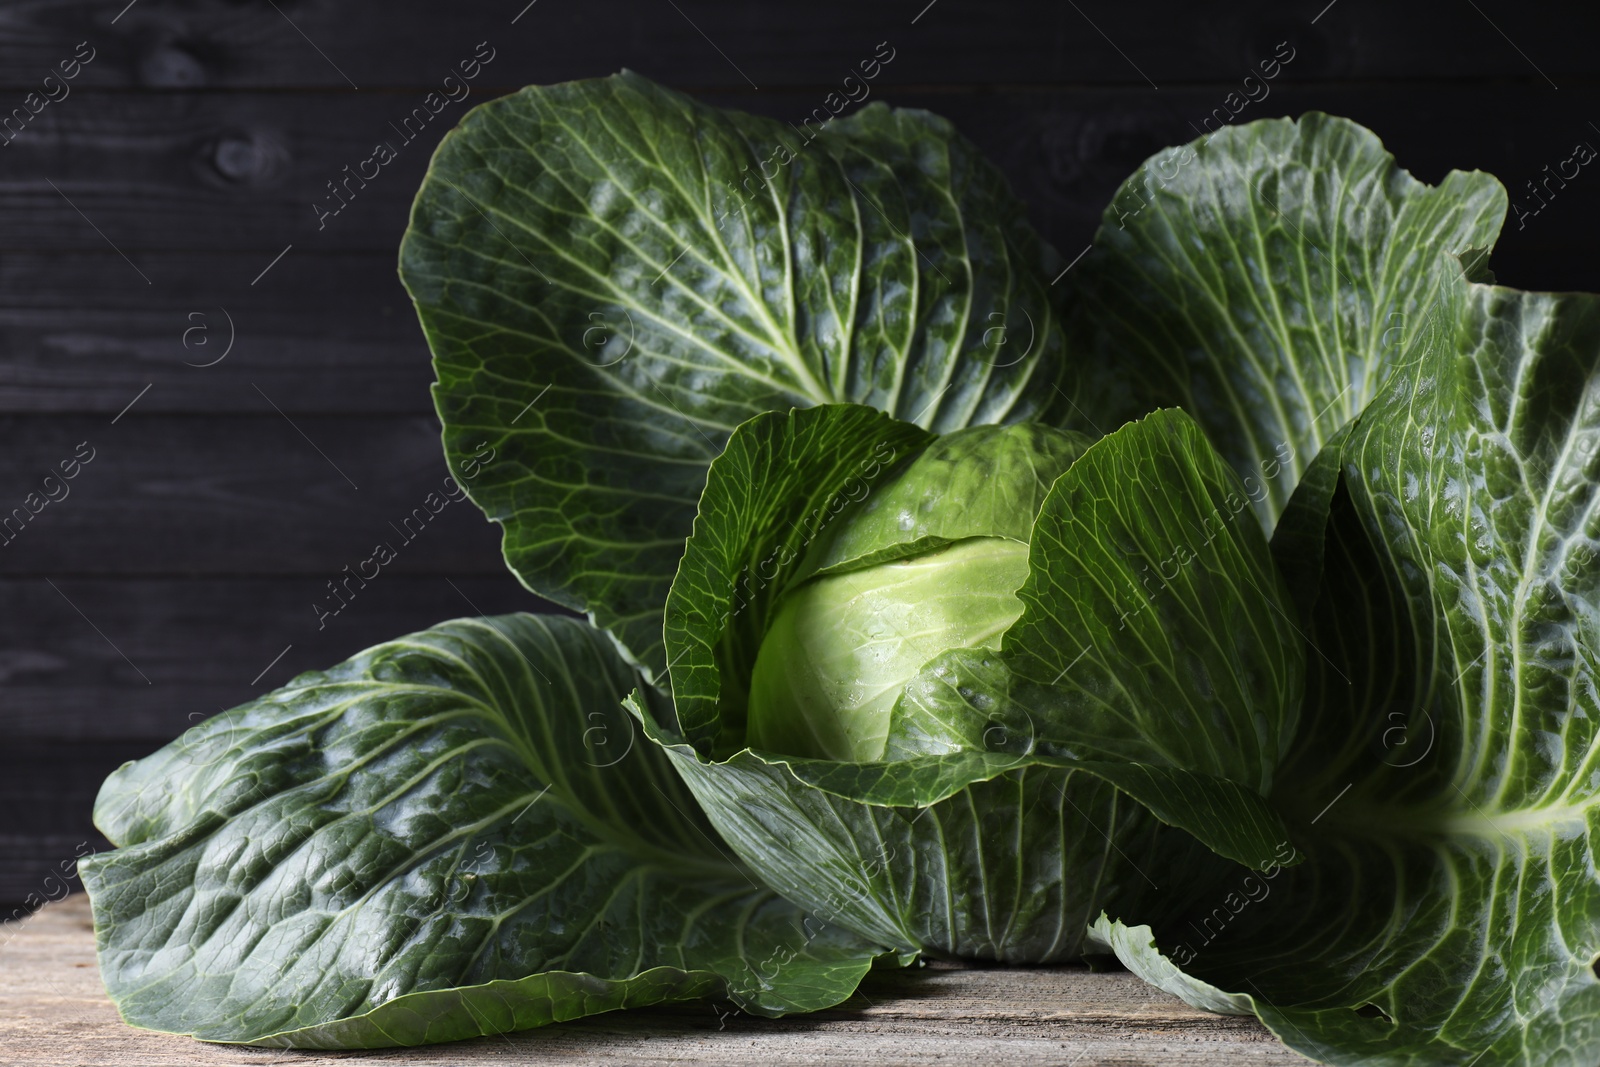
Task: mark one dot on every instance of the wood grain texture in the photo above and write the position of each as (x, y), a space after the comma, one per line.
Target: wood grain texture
(336, 333)
(54, 793)
(211, 44)
(263, 494)
(164, 176)
(54, 1011)
(204, 645)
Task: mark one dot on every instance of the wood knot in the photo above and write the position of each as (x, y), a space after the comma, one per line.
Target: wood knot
(170, 66)
(247, 158)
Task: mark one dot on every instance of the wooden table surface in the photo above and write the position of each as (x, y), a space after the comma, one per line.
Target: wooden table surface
(54, 1013)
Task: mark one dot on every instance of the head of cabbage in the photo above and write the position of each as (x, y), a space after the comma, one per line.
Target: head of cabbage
(889, 708)
(930, 560)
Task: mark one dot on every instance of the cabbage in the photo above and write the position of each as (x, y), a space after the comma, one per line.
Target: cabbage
(843, 647)
(843, 644)
(1226, 603)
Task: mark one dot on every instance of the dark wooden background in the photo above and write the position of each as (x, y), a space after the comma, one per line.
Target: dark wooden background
(190, 150)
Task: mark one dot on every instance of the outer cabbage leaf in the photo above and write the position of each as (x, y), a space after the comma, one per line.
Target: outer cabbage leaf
(613, 276)
(1300, 540)
(1155, 626)
(1012, 866)
(987, 842)
(1265, 278)
(1135, 947)
(1446, 784)
(453, 834)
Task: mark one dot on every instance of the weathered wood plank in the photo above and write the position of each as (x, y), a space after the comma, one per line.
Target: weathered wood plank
(235, 495)
(217, 44)
(37, 869)
(148, 169)
(52, 787)
(204, 645)
(53, 1010)
(334, 334)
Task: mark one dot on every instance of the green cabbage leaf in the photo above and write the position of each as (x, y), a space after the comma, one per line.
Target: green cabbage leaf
(611, 281)
(460, 832)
